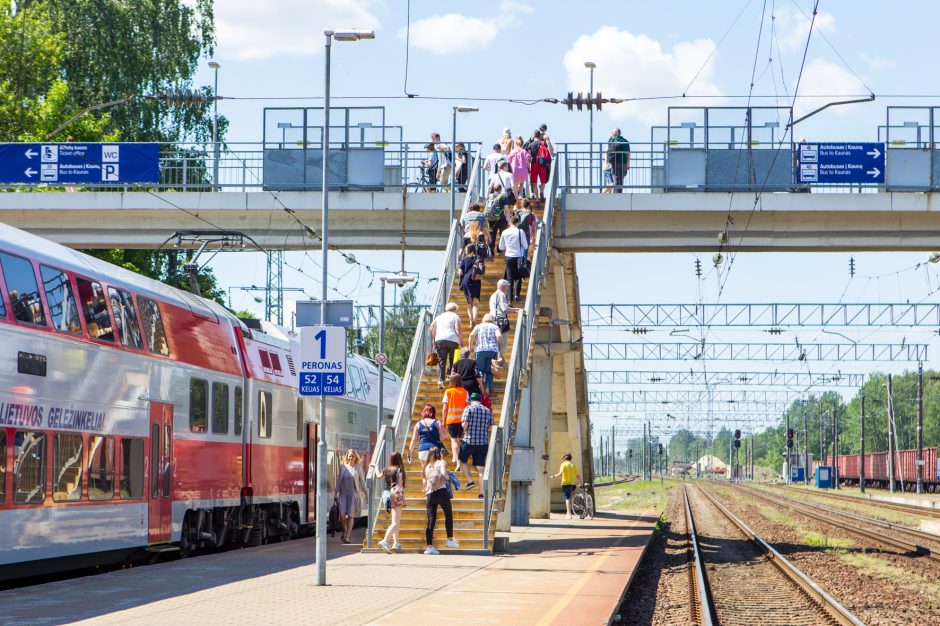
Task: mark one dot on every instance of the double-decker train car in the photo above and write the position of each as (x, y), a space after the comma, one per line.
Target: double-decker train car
(138, 416)
(876, 469)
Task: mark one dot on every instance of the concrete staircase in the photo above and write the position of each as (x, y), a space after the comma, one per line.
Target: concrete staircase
(468, 507)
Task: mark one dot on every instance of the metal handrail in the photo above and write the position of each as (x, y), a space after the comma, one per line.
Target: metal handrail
(502, 435)
(393, 437)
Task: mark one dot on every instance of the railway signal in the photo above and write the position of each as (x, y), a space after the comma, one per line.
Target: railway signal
(737, 438)
(789, 438)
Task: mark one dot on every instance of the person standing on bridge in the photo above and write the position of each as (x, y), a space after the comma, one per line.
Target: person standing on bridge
(569, 478)
(519, 162)
(445, 333)
(618, 155)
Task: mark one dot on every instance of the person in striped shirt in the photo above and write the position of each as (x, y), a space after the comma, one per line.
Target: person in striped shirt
(477, 424)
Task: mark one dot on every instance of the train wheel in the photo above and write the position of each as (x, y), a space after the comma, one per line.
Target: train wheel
(187, 546)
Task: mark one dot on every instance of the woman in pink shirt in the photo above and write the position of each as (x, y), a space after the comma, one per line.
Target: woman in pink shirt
(519, 162)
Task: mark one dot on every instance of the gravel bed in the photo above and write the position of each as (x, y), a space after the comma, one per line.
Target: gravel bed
(876, 585)
(659, 594)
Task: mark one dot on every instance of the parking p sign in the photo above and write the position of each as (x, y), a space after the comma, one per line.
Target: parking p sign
(322, 361)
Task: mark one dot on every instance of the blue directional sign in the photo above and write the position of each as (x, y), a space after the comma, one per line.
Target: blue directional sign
(80, 163)
(841, 163)
(322, 361)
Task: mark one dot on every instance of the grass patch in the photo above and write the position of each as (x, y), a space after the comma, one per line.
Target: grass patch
(821, 540)
(901, 577)
(644, 495)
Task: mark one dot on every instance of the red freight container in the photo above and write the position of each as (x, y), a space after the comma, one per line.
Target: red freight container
(905, 466)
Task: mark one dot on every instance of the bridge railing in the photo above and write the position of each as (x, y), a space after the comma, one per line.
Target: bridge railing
(392, 437)
(502, 435)
(240, 167)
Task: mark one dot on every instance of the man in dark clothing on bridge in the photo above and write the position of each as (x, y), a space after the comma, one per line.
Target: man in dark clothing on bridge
(618, 156)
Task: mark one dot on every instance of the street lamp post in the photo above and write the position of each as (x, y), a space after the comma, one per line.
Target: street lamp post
(453, 158)
(591, 65)
(215, 125)
(322, 502)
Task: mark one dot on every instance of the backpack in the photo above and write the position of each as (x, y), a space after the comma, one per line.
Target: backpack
(480, 250)
(479, 269)
(525, 219)
(532, 146)
(494, 207)
(544, 157)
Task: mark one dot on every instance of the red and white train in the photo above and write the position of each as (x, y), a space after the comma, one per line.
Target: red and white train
(138, 416)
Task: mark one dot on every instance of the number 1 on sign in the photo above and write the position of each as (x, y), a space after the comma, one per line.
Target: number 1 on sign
(321, 337)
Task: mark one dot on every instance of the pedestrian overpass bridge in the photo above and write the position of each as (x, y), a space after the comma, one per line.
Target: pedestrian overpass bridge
(586, 222)
(542, 408)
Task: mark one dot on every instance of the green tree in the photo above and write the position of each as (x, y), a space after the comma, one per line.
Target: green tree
(400, 324)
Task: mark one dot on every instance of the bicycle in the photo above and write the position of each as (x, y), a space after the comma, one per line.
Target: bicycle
(582, 503)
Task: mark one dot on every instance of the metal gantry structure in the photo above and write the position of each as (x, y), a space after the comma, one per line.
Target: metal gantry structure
(767, 315)
(802, 380)
(684, 396)
(708, 351)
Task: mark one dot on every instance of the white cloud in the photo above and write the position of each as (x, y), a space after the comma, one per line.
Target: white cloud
(822, 77)
(630, 65)
(792, 26)
(877, 63)
(458, 33)
(250, 30)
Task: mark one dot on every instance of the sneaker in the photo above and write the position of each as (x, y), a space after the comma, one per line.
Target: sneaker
(451, 543)
(470, 485)
(432, 550)
(384, 546)
(480, 495)
(567, 517)
(397, 546)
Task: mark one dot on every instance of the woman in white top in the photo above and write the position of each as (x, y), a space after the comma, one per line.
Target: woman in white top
(516, 246)
(489, 347)
(445, 333)
(503, 176)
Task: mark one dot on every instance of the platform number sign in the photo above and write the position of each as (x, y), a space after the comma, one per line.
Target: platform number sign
(322, 361)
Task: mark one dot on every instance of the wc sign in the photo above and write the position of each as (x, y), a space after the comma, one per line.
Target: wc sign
(73, 163)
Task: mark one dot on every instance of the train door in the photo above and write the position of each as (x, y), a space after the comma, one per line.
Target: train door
(310, 456)
(160, 470)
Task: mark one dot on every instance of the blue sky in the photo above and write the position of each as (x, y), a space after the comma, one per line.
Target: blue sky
(513, 49)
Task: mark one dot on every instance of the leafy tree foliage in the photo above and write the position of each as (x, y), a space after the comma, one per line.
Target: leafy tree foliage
(400, 326)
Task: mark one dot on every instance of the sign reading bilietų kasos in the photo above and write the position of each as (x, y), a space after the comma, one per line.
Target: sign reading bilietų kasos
(80, 163)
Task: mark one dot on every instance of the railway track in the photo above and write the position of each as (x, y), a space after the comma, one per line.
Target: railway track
(735, 581)
(891, 506)
(897, 536)
(628, 479)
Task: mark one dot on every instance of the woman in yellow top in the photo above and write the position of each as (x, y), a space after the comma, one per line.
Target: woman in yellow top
(455, 401)
(569, 478)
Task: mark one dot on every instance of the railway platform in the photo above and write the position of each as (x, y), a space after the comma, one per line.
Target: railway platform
(555, 571)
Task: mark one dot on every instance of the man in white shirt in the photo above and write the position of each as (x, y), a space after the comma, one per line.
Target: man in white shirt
(499, 305)
(516, 246)
(491, 162)
(444, 166)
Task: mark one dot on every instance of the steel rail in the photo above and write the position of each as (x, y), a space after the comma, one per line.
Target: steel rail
(701, 603)
(835, 610)
(913, 509)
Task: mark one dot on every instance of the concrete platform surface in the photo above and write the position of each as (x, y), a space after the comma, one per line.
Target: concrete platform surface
(557, 571)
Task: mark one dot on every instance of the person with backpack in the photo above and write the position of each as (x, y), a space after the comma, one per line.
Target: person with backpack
(498, 208)
(519, 162)
(474, 217)
(394, 499)
(618, 155)
(528, 223)
(426, 435)
(437, 494)
(516, 247)
(472, 269)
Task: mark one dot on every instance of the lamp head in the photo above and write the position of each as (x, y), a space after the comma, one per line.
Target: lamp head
(398, 279)
(214, 65)
(350, 35)
(590, 65)
(466, 109)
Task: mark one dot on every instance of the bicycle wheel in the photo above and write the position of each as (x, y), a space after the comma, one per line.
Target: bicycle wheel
(589, 506)
(577, 504)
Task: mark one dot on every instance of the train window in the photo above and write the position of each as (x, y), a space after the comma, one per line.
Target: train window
(132, 468)
(220, 408)
(100, 467)
(29, 467)
(155, 460)
(265, 361)
(22, 289)
(198, 405)
(62, 306)
(276, 364)
(300, 419)
(154, 333)
(352, 417)
(167, 458)
(67, 464)
(238, 410)
(265, 414)
(3, 465)
(125, 318)
(3, 309)
(95, 306)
